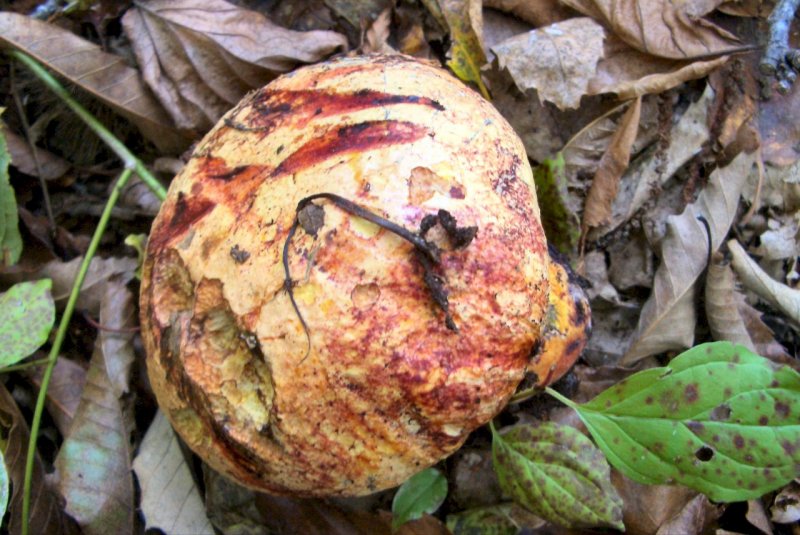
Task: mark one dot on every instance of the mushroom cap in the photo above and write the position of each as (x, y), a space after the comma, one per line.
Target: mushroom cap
(381, 388)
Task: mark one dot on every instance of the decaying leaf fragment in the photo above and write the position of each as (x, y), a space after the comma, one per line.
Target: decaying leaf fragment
(558, 60)
(201, 57)
(668, 318)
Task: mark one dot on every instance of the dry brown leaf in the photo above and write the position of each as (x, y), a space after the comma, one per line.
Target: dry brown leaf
(170, 498)
(782, 297)
(94, 462)
(695, 517)
(23, 159)
(650, 171)
(664, 28)
(731, 318)
(64, 391)
(757, 516)
(558, 61)
(668, 318)
(45, 515)
(104, 76)
(358, 12)
(201, 57)
(117, 316)
(615, 160)
(535, 12)
(645, 508)
(630, 73)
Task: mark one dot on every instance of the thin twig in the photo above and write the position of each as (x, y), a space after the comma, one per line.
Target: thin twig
(100, 327)
(130, 161)
(35, 151)
(59, 340)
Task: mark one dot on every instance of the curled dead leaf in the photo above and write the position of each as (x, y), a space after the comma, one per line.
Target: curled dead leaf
(535, 12)
(201, 57)
(662, 28)
(629, 72)
(558, 61)
(755, 279)
(615, 160)
(668, 318)
(105, 76)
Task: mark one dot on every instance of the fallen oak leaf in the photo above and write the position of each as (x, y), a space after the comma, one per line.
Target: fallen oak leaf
(668, 317)
(558, 61)
(755, 279)
(105, 76)
(201, 57)
(535, 12)
(662, 28)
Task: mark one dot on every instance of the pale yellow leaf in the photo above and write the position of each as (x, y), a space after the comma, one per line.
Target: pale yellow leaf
(666, 28)
(558, 60)
(668, 317)
(783, 298)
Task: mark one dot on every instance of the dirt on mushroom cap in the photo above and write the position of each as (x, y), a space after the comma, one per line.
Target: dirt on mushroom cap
(386, 389)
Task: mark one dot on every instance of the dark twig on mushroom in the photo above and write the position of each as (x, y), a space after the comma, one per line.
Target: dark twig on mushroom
(310, 217)
(780, 60)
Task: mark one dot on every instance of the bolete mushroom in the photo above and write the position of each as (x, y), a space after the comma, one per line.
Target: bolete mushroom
(304, 334)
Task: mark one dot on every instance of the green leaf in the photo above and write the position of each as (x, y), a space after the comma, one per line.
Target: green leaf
(10, 239)
(561, 225)
(422, 493)
(3, 486)
(558, 474)
(27, 314)
(138, 242)
(492, 520)
(718, 419)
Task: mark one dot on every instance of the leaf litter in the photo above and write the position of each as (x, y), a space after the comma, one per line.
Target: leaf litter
(652, 292)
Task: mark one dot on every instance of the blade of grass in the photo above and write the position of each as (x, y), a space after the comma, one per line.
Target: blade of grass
(59, 340)
(131, 161)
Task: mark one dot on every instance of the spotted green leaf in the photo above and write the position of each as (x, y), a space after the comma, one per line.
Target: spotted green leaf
(422, 493)
(719, 419)
(27, 314)
(10, 239)
(557, 473)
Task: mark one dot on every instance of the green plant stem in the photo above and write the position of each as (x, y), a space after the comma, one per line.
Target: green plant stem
(24, 366)
(566, 401)
(59, 340)
(131, 161)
